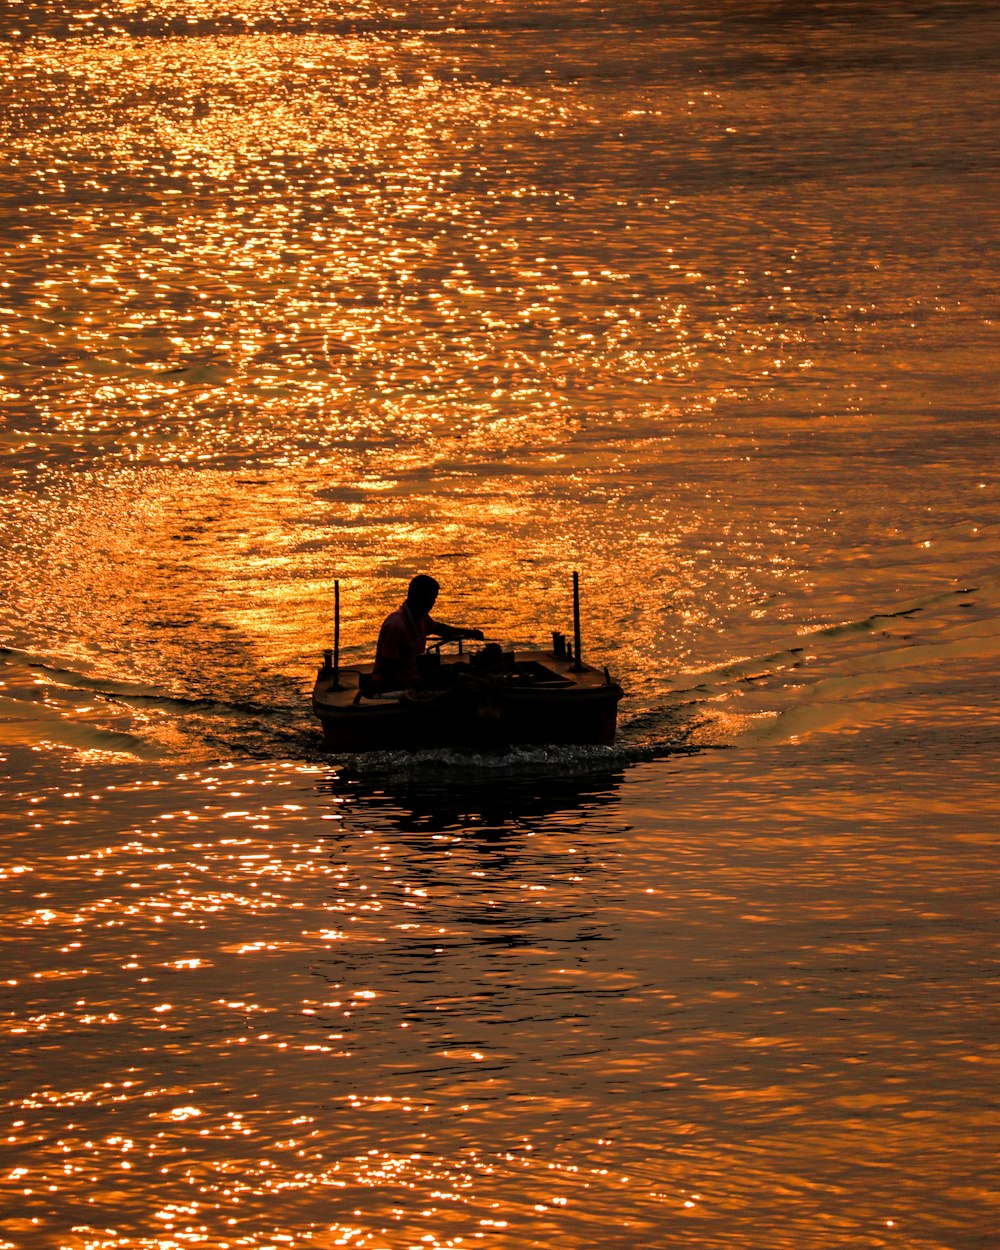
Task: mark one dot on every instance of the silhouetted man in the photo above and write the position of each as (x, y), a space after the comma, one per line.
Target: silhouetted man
(404, 633)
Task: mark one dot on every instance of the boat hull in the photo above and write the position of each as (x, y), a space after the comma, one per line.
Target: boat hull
(540, 701)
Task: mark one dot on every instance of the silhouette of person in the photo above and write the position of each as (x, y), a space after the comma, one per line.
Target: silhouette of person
(404, 633)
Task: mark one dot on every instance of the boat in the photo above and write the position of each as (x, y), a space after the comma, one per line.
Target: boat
(488, 698)
(485, 698)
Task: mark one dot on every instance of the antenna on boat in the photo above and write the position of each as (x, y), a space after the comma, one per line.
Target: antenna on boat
(577, 662)
(335, 657)
(336, 635)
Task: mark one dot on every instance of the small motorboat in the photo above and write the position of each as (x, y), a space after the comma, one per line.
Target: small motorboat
(486, 698)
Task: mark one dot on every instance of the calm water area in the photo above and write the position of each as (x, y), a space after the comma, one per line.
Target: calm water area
(697, 299)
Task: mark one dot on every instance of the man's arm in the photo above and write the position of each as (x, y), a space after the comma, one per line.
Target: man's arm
(438, 629)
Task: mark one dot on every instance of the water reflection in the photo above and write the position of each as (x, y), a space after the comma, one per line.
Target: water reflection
(255, 1000)
(452, 793)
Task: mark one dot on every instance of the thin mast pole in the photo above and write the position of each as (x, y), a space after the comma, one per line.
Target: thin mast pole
(336, 635)
(577, 662)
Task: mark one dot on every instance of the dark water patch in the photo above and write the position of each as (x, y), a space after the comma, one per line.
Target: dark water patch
(425, 17)
(455, 794)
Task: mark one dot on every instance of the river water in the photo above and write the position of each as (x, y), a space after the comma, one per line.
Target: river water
(699, 300)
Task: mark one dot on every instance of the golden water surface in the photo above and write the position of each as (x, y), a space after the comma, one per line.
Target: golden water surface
(699, 302)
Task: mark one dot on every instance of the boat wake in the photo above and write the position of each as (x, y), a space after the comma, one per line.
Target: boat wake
(462, 765)
(655, 735)
(47, 702)
(833, 678)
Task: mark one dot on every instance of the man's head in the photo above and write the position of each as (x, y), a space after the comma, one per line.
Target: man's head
(422, 593)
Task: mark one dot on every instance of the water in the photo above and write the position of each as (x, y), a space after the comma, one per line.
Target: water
(700, 302)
